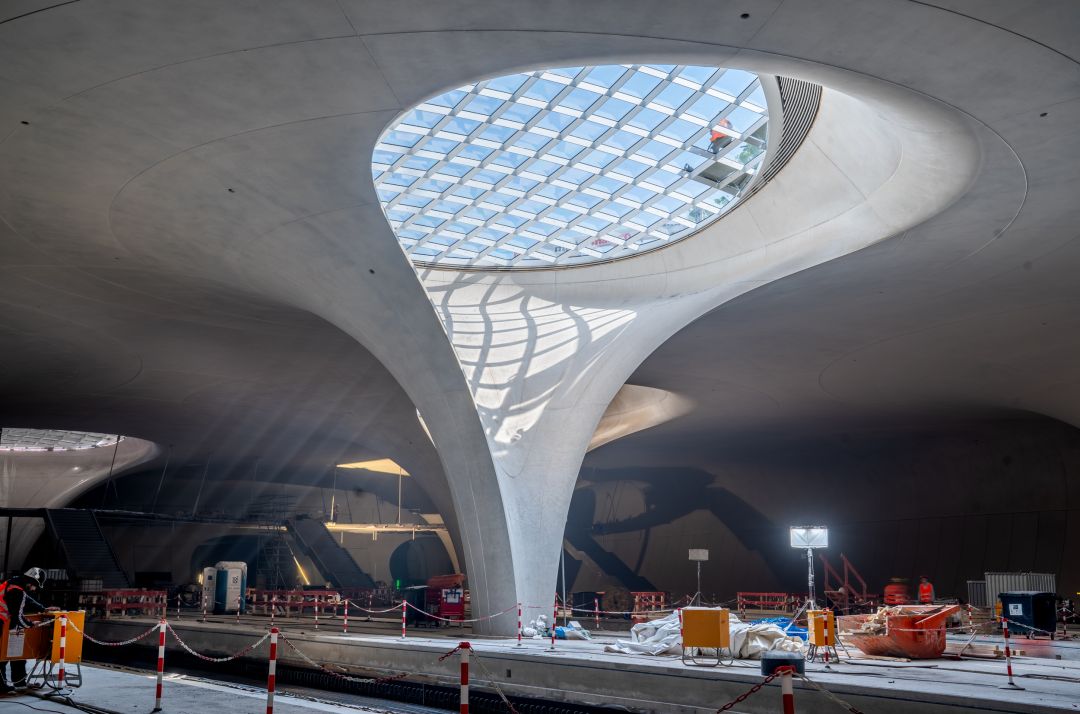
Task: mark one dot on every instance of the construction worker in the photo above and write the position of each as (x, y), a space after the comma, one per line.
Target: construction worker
(926, 591)
(717, 139)
(13, 605)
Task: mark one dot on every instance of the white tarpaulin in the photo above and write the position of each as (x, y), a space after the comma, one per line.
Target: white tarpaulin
(662, 636)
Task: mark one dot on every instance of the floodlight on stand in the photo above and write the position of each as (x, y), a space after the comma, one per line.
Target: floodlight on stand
(699, 556)
(810, 537)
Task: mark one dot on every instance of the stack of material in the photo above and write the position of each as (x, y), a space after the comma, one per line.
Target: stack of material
(663, 636)
(878, 622)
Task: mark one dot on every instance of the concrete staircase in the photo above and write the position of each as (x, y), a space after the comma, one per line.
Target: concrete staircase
(333, 561)
(86, 551)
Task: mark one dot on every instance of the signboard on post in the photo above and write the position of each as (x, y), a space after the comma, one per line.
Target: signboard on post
(699, 554)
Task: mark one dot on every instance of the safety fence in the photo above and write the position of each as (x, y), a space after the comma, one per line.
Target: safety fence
(287, 603)
(466, 652)
(778, 602)
(109, 603)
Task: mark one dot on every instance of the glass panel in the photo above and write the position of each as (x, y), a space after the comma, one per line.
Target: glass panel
(630, 185)
(606, 75)
(544, 90)
(580, 99)
(509, 84)
(640, 84)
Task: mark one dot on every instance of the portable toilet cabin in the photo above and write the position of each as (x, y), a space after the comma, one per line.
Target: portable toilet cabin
(230, 586)
(209, 589)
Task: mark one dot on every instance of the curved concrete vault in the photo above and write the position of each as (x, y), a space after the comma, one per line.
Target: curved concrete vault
(228, 145)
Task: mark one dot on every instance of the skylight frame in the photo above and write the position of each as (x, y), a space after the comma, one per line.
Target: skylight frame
(509, 185)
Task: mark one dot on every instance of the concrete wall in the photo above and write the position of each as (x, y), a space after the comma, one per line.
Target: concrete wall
(950, 502)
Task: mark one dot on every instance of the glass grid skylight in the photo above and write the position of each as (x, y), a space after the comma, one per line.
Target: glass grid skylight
(12, 439)
(569, 166)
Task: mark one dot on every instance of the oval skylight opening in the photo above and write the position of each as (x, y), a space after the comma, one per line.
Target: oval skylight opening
(570, 166)
(14, 439)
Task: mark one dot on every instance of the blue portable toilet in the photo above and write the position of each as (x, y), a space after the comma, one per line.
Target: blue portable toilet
(230, 587)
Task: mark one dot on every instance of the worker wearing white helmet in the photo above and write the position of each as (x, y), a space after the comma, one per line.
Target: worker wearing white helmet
(13, 603)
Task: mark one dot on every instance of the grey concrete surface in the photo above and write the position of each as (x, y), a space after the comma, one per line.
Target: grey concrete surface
(122, 691)
(581, 672)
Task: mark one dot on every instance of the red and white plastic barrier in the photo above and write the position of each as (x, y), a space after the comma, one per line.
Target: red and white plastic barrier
(1008, 655)
(271, 677)
(519, 625)
(554, 619)
(160, 664)
(345, 622)
(787, 691)
(596, 611)
(403, 604)
(63, 646)
(465, 648)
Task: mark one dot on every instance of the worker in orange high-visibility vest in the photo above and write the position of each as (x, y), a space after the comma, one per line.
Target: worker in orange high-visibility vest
(13, 605)
(719, 140)
(926, 591)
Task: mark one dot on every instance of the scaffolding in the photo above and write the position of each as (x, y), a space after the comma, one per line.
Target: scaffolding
(274, 566)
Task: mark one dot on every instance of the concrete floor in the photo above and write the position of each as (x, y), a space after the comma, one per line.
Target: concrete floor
(128, 691)
(580, 672)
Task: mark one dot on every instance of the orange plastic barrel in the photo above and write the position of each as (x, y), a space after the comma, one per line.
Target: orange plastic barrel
(896, 592)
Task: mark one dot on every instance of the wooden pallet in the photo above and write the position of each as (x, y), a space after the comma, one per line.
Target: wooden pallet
(981, 651)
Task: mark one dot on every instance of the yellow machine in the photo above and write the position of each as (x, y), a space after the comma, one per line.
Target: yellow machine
(41, 643)
(821, 634)
(706, 628)
(821, 628)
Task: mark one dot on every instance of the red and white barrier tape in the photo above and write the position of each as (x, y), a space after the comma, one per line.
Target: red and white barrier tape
(228, 658)
(392, 608)
(832, 697)
(103, 643)
(451, 619)
(753, 690)
(493, 682)
(339, 675)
